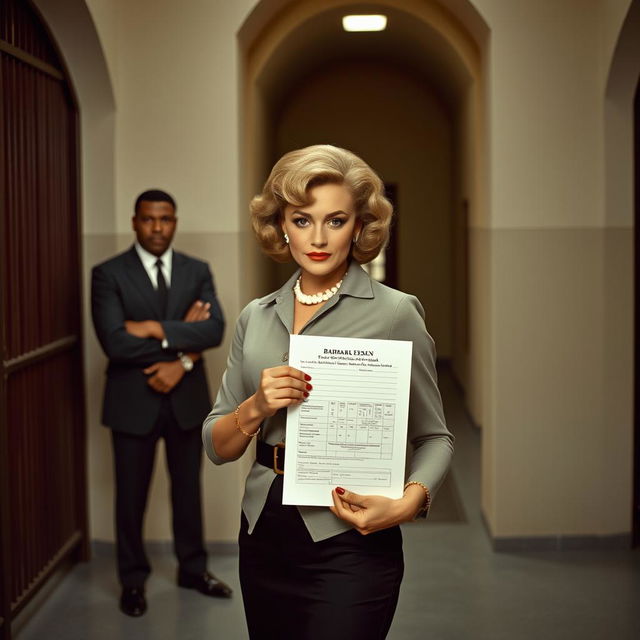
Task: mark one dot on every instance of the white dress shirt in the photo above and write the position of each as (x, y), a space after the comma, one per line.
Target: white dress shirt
(149, 263)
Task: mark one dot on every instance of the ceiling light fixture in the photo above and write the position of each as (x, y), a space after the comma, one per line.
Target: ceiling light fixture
(364, 23)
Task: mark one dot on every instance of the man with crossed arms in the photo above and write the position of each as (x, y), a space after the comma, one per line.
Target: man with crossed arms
(155, 310)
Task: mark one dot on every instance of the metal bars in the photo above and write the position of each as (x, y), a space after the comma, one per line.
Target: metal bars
(42, 434)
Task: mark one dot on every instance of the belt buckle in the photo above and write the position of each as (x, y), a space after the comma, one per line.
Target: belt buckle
(280, 445)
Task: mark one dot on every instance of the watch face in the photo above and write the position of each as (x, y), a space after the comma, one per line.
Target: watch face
(187, 363)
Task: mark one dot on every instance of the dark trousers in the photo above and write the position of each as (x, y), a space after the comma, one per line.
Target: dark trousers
(342, 588)
(134, 459)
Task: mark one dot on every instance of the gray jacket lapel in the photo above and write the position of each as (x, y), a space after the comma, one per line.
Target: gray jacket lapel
(356, 283)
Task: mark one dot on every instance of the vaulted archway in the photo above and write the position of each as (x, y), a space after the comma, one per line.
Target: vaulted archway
(283, 44)
(621, 375)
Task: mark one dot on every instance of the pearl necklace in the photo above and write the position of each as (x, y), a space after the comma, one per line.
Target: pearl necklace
(316, 298)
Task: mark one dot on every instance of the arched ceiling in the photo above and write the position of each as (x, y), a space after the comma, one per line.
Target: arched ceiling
(407, 42)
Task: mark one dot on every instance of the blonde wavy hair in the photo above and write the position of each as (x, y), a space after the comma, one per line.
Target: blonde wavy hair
(299, 171)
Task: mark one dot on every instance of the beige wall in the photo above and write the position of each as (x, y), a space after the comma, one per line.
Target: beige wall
(546, 113)
(392, 119)
(556, 457)
(550, 439)
(177, 108)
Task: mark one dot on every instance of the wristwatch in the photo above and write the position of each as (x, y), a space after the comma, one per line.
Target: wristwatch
(186, 361)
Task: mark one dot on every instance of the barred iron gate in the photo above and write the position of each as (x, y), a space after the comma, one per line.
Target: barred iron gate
(43, 515)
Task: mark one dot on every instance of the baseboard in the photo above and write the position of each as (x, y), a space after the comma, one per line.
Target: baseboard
(105, 548)
(514, 544)
(41, 596)
(615, 542)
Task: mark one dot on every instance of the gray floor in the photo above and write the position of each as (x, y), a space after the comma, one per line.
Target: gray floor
(455, 586)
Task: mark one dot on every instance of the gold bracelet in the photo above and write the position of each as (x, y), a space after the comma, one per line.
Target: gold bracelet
(427, 497)
(236, 413)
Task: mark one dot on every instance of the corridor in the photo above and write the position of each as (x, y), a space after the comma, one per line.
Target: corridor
(455, 586)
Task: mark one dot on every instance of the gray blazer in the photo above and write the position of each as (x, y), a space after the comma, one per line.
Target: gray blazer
(363, 308)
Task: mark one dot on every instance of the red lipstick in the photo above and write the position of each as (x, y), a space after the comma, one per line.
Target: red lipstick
(318, 256)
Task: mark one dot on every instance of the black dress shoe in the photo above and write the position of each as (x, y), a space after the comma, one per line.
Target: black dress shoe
(205, 583)
(132, 601)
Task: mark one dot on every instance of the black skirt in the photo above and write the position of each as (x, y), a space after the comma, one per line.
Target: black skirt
(344, 587)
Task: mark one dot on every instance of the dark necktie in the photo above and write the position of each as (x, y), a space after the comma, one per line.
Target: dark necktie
(163, 294)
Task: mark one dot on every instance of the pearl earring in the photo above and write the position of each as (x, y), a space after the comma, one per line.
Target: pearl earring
(286, 238)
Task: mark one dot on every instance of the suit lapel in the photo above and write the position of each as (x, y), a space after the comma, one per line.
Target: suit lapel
(140, 279)
(178, 286)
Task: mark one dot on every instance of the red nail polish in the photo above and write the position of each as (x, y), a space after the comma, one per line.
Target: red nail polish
(340, 491)
(309, 387)
(305, 394)
(306, 377)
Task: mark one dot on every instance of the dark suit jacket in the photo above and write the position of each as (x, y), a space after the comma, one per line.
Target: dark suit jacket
(121, 290)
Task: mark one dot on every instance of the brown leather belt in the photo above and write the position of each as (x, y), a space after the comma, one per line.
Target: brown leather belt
(271, 456)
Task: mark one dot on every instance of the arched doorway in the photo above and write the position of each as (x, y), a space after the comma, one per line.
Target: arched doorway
(282, 47)
(43, 501)
(397, 120)
(621, 377)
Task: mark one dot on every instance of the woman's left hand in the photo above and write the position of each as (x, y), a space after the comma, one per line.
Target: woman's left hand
(372, 513)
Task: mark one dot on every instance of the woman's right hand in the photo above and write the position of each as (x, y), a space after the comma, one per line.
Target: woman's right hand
(281, 387)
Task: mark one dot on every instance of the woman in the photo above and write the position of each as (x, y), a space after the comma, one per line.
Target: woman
(314, 572)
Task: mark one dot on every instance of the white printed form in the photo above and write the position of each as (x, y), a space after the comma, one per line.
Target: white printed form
(351, 431)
